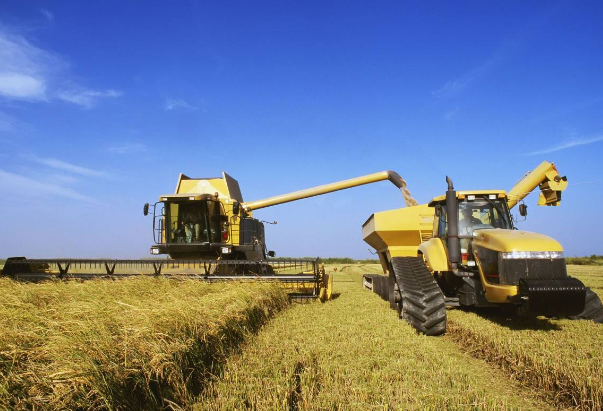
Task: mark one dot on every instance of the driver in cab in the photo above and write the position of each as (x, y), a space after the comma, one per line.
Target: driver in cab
(468, 221)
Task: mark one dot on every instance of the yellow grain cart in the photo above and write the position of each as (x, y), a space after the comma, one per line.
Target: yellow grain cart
(462, 249)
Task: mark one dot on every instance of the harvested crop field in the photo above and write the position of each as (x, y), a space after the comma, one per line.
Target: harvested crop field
(158, 344)
(562, 357)
(121, 345)
(354, 353)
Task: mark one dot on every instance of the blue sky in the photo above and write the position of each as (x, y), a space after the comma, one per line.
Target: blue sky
(102, 104)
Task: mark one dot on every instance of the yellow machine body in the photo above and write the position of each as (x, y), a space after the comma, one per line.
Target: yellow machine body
(412, 231)
(399, 232)
(207, 219)
(509, 241)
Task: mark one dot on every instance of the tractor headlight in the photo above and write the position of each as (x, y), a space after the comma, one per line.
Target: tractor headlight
(154, 250)
(531, 255)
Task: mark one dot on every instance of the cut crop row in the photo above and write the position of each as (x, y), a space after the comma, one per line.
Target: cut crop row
(564, 357)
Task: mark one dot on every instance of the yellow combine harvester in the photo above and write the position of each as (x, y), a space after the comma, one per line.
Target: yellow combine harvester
(462, 249)
(210, 233)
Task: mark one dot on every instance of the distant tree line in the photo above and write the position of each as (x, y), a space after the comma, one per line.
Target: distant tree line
(592, 260)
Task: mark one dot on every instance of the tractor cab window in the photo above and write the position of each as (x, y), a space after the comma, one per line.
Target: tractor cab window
(482, 214)
(442, 227)
(194, 222)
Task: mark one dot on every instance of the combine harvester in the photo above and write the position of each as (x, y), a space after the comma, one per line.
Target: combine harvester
(462, 249)
(209, 233)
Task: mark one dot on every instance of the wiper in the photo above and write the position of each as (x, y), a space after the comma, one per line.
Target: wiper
(495, 206)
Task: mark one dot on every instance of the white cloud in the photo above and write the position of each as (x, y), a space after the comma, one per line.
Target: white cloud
(566, 145)
(24, 68)
(173, 104)
(22, 86)
(46, 13)
(20, 185)
(64, 166)
(86, 98)
(29, 73)
(128, 148)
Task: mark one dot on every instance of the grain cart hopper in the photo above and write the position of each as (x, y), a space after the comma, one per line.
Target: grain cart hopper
(462, 249)
(209, 232)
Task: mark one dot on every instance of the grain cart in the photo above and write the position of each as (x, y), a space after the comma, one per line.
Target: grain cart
(210, 233)
(462, 249)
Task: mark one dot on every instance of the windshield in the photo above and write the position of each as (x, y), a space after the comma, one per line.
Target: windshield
(482, 214)
(194, 222)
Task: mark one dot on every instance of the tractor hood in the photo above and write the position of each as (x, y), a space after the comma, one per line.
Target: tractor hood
(514, 240)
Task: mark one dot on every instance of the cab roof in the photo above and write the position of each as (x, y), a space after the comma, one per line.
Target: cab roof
(462, 194)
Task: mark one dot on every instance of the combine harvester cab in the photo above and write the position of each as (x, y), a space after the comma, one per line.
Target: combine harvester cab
(462, 249)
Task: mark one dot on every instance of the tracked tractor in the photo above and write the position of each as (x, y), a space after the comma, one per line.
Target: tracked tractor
(209, 232)
(463, 249)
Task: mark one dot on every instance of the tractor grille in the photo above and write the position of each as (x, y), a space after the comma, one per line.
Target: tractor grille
(499, 270)
(511, 270)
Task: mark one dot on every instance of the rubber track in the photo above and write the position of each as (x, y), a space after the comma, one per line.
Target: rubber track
(593, 309)
(423, 304)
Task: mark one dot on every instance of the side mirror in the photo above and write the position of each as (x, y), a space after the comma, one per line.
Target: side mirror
(271, 253)
(145, 209)
(235, 208)
(523, 210)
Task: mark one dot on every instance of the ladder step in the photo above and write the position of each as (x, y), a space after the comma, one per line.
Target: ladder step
(452, 302)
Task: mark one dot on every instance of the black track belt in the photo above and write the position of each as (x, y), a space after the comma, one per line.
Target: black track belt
(423, 304)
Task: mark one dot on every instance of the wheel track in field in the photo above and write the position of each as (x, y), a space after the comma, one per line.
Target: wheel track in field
(336, 341)
(564, 395)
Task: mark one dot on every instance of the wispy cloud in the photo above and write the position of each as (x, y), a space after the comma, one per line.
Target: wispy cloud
(515, 41)
(454, 87)
(128, 148)
(29, 73)
(566, 145)
(86, 98)
(22, 185)
(71, 168)
(176, 103)
(24, 68)
(452, 113)
(47, 14)
(576, 108)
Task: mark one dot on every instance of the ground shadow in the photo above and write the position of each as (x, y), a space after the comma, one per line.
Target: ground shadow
(514, 321)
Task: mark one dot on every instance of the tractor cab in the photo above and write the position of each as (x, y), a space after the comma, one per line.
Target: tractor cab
(477, 210)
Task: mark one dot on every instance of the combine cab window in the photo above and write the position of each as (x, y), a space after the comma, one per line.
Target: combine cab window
(482, 214)
(194, 222)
